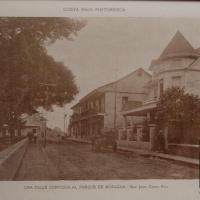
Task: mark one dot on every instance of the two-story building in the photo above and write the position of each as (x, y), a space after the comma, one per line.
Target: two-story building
(101, 108)
(178, 65)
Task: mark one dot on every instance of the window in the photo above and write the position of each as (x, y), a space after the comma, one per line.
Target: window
(176, 81)
(97, 104)
(161, 84)
(155, 91)
(91, 105)
(100, 104)
(124, 101)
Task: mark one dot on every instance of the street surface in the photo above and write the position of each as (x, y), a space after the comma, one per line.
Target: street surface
(36, 165)
(76, 161)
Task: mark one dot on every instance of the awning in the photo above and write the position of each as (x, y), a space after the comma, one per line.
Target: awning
(140, 111)
(91, 116)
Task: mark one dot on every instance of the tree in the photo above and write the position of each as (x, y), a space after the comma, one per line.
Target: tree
(178, 108)
(25, 67)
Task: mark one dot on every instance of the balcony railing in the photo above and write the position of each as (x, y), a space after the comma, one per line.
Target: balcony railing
(90, 112)
(76, 116)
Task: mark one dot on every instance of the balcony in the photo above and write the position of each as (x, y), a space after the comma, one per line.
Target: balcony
(75, 117)
(88, 113)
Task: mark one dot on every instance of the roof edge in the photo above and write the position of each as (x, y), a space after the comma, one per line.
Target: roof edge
(111, 83)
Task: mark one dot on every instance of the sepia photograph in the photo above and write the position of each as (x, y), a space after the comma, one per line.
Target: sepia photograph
(99, 98)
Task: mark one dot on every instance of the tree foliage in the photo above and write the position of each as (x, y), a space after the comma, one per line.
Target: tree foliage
(26, 69)
(176, 106)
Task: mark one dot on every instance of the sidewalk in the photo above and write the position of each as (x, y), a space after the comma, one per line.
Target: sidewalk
(11, 158)
(36, 165)
(180, 159)
(81, 140)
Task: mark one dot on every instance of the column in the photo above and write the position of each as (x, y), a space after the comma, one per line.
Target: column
(166, 137)
(139, 132)
(148, 116)
(128, 134)
(124, 122)
(79, 129)
(123, 130)
(152, 131)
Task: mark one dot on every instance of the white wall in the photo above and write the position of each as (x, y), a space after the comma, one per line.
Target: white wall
(110, 107)
(172, 64)
(187, 68)
(192, 81)
(109, 110)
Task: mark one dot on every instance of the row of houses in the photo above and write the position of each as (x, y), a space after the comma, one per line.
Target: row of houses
(129, 103)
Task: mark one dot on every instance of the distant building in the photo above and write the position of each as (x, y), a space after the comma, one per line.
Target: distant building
(178, 65)
(31, 123)
(34, 121)
(101, 108)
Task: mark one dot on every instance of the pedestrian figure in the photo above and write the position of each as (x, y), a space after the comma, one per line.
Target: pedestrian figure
(35, 136)
(59, 138)
(161, 141)
(42, 134)
(29, 137)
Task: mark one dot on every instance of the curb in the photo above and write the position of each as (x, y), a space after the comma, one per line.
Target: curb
(20, 162)
(11, 160)
(191, 164)
(178, 159)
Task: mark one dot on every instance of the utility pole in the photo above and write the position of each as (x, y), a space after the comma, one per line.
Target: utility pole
(46, 85)
(115, 99)
(115, 107)
(65, 116)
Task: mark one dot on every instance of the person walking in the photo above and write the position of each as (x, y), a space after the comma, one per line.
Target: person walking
(161, 141)
(29, 137)
(35, 136)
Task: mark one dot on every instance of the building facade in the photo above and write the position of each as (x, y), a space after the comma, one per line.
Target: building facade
(101, 108)
(178, 66)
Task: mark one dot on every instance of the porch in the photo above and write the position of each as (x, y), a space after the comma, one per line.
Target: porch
(138, 129)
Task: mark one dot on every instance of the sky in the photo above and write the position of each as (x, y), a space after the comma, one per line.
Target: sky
(107, 49)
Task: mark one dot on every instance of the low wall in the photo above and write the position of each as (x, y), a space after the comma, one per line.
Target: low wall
(10, 159)
(134, 144)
